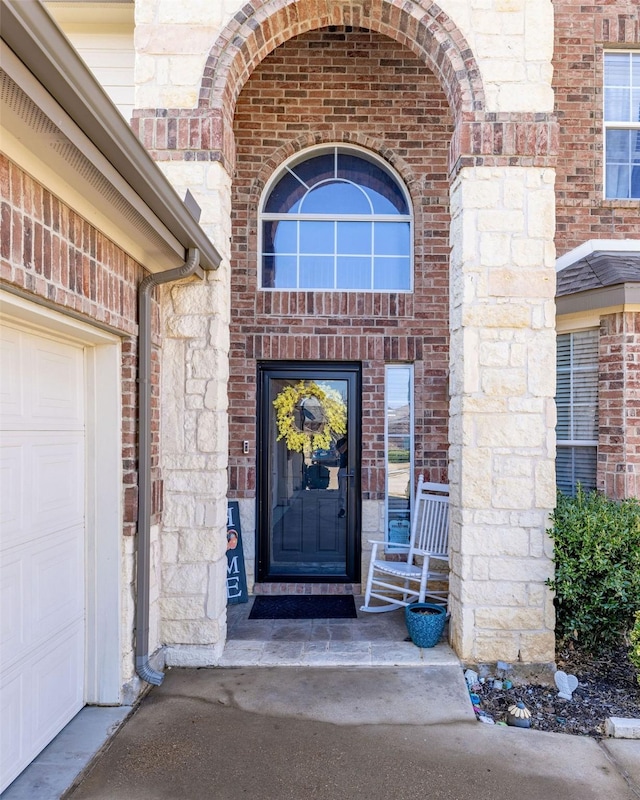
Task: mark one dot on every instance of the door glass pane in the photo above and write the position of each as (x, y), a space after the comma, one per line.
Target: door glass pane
(398, 447)
(308, 464)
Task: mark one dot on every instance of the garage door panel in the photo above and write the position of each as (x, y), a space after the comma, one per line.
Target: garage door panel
(14, 624)
(11, 387)
(57, 390)
(42, 593)
(37, 699)
(12, 479)
(57, 465)
(42, 386)
(15, 718)
(52, 462)
(58, 596)
(57, 686)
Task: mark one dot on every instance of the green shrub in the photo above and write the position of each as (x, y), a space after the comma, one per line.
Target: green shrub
(597, 577)
(634, 655)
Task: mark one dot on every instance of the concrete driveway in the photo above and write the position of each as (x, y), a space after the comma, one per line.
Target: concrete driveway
(327, 733)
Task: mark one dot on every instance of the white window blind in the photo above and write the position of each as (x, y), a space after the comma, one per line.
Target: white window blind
(577, 405)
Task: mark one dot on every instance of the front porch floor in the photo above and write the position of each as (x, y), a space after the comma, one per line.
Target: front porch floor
(371, 640)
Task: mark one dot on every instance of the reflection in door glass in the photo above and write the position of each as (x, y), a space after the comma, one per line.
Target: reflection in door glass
(399, 439)
(308, 462)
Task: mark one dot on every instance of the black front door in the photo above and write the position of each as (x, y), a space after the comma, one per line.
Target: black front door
(309, 472)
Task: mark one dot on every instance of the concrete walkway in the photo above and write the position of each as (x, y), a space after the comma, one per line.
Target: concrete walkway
(375, 717)
(298, 732)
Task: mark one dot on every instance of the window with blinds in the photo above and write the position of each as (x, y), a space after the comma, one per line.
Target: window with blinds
(577, 404)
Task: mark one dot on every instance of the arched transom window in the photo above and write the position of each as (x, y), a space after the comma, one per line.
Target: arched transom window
(336, 219)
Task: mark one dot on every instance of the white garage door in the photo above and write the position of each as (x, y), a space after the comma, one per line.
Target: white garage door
(42, 625)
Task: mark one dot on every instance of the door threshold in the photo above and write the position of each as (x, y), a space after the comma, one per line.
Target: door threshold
(287, 587)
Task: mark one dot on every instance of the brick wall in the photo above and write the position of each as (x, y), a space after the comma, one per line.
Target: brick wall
(331, 86)
(50, 252)
(619, 405)
(581, 34)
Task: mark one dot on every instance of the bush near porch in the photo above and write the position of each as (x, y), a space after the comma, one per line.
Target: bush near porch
(597, 574)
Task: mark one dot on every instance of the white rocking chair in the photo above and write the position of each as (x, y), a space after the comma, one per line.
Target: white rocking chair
(428, 542)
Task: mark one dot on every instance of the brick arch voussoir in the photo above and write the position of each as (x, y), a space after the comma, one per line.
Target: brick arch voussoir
(421, 25)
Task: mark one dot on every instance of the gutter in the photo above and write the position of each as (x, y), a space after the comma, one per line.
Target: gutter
(190, 267)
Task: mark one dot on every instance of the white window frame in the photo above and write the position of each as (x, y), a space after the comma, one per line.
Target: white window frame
(389, 546)
(615, 124)
(572, 444)
(312, 152)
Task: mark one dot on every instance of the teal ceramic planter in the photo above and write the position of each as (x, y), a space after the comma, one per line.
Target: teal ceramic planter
(425, 623)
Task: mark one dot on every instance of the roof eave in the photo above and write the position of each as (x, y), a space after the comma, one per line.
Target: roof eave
(31, 33)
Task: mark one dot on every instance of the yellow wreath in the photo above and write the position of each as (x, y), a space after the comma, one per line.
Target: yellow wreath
(334, 413)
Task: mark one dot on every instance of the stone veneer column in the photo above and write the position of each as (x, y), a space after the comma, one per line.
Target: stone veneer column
(195, 371)
(502, 440)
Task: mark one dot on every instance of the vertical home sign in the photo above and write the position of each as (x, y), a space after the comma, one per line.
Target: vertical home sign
(236, 575)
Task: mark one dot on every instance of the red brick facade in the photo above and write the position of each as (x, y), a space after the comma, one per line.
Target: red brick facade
(321, 87)
(582, 33)
(619, 405)
(50, 252)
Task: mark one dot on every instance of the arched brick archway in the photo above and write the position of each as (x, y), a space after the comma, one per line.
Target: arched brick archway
(480, 138)
(420, 25)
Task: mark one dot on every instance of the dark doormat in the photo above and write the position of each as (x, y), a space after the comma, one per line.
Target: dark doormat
(305, 606)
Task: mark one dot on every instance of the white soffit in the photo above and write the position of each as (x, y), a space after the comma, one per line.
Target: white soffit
(40, 137)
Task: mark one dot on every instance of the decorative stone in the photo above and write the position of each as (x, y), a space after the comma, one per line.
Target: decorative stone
(622, 727)
(519, 716)
(470, 677)
(567, 684)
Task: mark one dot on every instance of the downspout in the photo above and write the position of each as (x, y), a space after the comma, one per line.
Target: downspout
(190, 267)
